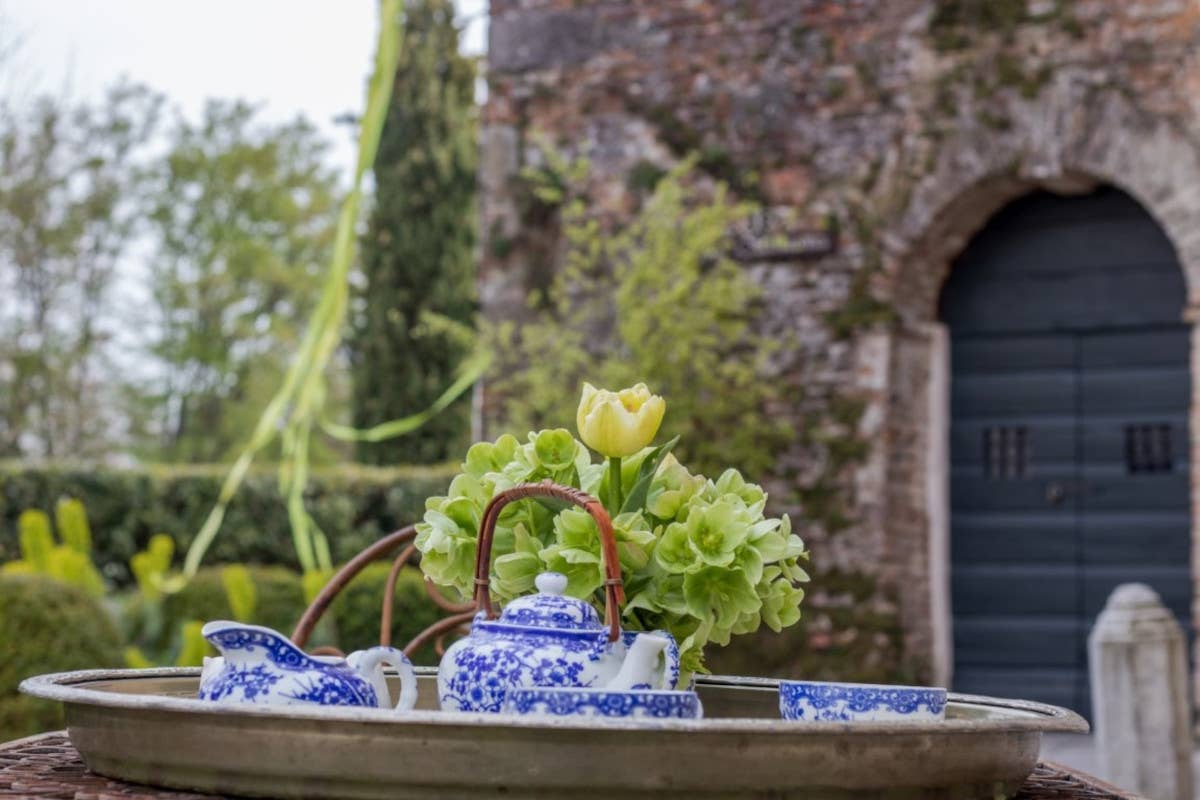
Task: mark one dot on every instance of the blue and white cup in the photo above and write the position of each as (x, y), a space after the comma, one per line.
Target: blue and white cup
(565, 701)
(818, 701)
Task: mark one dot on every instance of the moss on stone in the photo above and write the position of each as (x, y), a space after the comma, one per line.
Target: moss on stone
(1071, 25)
(867, 77)
(994, 120)
(835, 89)
(798, 34)
(825, 504)
(644, 176)
(860, 310)
(1010, 72)
(954, 23)
(499, 245)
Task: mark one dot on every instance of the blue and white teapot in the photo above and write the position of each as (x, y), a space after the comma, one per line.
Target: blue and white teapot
(549, 639)
(259, 666)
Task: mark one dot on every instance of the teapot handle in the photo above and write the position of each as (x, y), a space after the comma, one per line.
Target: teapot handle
(614, 592)
(366, 661)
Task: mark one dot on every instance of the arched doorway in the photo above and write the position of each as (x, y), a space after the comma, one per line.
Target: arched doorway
(1069, 449)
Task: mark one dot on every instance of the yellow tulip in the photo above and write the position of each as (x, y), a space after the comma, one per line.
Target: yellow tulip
(618, 424)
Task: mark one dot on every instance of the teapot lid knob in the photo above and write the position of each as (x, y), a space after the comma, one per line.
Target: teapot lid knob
(554, 583)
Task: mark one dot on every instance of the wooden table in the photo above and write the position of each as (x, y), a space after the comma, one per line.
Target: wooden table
(48, 766)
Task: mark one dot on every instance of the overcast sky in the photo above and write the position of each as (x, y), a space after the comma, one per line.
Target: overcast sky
(294, 56)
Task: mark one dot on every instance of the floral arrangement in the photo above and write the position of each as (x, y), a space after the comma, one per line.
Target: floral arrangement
(699, 558)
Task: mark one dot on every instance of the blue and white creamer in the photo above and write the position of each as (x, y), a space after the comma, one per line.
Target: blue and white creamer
(549, 639)
(259, 666)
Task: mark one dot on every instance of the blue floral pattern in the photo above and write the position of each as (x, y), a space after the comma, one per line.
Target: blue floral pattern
(476, 678)
(546, 639)
(332, 689)
(263, 667)
(804, 700)
(253, 682)
(550, 608)
(592, 703)
(280, 651)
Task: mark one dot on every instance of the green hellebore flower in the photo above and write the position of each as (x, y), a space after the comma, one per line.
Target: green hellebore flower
(468, 486)
(750, 563)
(720, 593)
(673, 552)
(584, 575)
(577, 539)
(714, 532)
(447, 551)
(556, 449)
(485, 457)
(662, 594)
(618, 424)
(731, 482)
(780, 600)
(514, 573)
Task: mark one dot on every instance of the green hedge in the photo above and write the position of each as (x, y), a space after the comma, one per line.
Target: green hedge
(354, 505)
(279, 604)
(358, 608)
(351, 623)
(47, 626)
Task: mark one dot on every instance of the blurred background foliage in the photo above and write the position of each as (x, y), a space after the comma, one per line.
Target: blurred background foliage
(414, 310)
(241, 216)
(355, 505)
(157, 273)
(658, 300)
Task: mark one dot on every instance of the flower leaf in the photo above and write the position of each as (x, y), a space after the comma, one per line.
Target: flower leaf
(636, 499)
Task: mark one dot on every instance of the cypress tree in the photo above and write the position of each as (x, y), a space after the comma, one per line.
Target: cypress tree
(416, 305)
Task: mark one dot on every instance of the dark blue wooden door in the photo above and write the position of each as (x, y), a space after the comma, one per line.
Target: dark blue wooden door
(1069, 447)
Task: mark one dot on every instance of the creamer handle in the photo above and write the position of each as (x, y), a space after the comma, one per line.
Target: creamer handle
(365, 661)
(670, 668)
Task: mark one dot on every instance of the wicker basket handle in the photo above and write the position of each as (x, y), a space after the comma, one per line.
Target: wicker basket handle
(614, 592)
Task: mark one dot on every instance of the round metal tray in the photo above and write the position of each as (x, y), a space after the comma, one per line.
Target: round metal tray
(146, 726)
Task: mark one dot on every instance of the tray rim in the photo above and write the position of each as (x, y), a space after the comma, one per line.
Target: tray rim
(1025, 715)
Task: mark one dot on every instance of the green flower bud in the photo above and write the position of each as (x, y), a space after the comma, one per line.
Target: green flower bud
(555, 449)
(671, 490)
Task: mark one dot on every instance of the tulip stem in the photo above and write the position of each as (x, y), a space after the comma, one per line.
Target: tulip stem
(614, 484)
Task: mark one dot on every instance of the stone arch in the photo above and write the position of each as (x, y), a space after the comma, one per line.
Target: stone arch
(1054, 144)
(1064, 141)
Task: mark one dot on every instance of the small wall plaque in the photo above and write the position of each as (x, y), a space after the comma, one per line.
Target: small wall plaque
(773, 235)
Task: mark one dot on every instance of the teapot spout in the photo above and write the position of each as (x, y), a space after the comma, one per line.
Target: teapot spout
(640, 664)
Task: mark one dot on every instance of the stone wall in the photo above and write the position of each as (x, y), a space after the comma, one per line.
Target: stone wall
(896, 127)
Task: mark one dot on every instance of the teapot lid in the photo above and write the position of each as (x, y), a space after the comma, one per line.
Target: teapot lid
(551, 608)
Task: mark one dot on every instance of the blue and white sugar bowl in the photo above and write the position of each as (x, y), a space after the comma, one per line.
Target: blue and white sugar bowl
(259, 666)
(559, 701)
(547, 640)
(818, 701)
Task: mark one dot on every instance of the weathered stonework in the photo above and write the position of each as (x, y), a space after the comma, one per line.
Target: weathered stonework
(901, 124)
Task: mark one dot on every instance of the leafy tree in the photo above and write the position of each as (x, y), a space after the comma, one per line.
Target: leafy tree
(70, 185)
(660, 301)
(417, 298)
(243, 219)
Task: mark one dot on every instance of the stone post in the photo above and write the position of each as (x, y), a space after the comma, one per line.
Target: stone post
(1140, 706)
